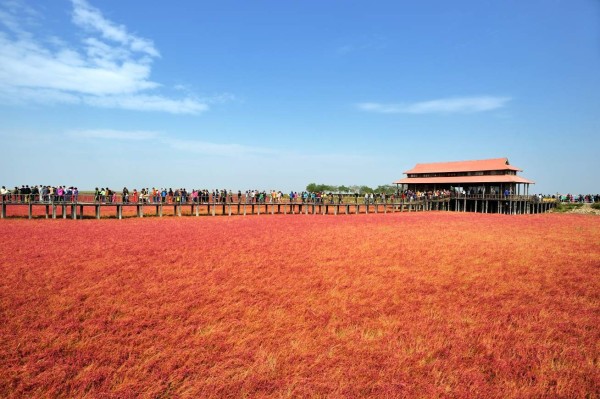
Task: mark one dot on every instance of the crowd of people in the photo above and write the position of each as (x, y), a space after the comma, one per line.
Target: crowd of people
(580, 198)
(40, 193)
(105, 195)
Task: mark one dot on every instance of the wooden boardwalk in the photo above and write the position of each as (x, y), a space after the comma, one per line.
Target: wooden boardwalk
(513, 205)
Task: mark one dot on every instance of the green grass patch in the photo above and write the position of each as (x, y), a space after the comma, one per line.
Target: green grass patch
(596, 205)
(564, 207)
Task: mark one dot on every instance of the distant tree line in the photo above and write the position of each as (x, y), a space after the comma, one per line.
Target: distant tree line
(326, 188)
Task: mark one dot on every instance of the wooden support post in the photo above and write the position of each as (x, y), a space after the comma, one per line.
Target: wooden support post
(3, 213)
(80, 212)
(197, 207)
(521, 207)
(178, 207)
(213, 209)
(64, 211)
(230, 209)
(73, 211)
(97, 211)
(244, 209)
(47, 211)
(30, 210)
(376, 206)
(347, 208)
(119, 212)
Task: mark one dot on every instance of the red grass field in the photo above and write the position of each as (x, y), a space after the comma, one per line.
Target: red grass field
(398, 305)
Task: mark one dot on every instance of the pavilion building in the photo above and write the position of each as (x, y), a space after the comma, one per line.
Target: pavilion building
(488, 177)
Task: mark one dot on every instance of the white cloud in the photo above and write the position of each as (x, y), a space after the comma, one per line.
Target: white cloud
(208, 148)
(110, 68)
(110, 134)
(90, 18)
(193, 146)
(148, 103)
(439, 106)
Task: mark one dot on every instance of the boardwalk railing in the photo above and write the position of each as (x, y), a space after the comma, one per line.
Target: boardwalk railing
(74, 207)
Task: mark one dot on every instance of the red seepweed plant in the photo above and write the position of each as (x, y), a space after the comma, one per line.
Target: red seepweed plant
(397, 305)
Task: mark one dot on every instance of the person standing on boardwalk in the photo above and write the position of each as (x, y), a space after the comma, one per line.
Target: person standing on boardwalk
(125, 195)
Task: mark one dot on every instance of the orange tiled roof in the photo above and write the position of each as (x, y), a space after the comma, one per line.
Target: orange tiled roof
(457, 180)
(463, 166)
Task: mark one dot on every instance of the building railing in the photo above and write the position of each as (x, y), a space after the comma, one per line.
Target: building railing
(502, 197)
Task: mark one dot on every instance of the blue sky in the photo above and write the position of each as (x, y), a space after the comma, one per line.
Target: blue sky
(276, 95)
